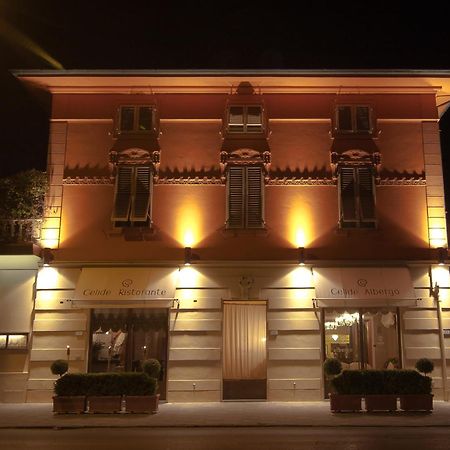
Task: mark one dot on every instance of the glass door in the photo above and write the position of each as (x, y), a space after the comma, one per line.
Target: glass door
(122, 339)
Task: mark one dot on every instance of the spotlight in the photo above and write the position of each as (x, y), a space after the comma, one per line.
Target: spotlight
(189, 256)
(442, 255)
(301, 256)
(47, 256)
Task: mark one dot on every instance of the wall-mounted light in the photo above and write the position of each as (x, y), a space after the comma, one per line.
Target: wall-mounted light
(47, 256)
(189, 256)
(442, 255)
(301, 256)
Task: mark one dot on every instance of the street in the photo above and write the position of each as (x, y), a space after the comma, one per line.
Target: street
(279, 438)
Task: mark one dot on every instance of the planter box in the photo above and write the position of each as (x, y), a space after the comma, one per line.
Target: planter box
(105, 404)
(340, 402)
(70, 404)
(381, 402)
(416, 402)
(142, 403)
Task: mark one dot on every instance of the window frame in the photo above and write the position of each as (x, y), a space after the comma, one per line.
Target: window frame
(246, 127)
(131, 219)
(136, 117)
(360, 222)
(353, 116)
(245, 220)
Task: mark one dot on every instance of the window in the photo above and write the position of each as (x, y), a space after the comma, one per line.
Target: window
(245, 119)
(13, 341)
(353, 119)
(356, 197)
(245, 192)
(136, 119)
(132, 196)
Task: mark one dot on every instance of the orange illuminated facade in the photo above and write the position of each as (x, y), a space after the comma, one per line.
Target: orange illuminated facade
(305, 208)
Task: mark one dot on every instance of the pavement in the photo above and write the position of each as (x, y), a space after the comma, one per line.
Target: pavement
(221, 414)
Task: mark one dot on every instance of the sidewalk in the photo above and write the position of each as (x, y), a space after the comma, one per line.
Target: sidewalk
(225, 414)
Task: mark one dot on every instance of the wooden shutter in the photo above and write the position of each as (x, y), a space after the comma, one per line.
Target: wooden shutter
(236, 119)
(142, 194)
(362, 118)
(347, 194)
(254, 197)
(254, 119)
(122, 199)
(344, 118)
(235, 197)
(366, 194)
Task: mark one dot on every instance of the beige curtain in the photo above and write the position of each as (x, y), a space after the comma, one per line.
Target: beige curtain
(244, 341)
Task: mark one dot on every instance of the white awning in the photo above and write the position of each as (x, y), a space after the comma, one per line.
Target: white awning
(126, 284)
(391, 283)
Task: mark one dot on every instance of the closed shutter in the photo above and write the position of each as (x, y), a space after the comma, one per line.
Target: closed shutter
(347, 193)
(255, 191)
(122, 200)
(142, 194)
(344, 118)
(235, 197)
(236, 119)
(254, 119)
(366, 194)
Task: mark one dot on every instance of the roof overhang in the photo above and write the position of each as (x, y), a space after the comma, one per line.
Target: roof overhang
(225, 81)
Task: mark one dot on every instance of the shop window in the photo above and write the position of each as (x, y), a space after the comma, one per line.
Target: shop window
(122, 339)
(356, 197)
(245, 197)
(136, 119)
(13, 341)
(132, 200)
(245, 119)
(353, 119)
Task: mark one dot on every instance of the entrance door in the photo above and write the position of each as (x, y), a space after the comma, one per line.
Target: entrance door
(362, 339)
(244, 351)
(123, 338)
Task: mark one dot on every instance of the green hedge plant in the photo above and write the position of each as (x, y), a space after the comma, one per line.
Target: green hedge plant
(424, 365)
(59, 367)
(379, 382)
(152, 367)
(106, 384)
(332, 367)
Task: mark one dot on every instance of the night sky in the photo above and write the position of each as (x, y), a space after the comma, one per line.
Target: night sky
(97, 34)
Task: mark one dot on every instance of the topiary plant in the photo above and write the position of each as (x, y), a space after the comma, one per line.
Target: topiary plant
(152, 367)
(59, 367)
(424, 365)
(332, 367)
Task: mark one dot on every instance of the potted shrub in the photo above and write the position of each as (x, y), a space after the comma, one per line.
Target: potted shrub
(140, 393)
(415, 391)
(104, 392)
(379, 390)
(70, 391)
(347, 391)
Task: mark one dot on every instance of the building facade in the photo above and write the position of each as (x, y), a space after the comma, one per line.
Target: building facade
(239, 227)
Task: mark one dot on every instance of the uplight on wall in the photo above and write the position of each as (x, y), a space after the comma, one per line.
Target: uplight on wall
(301, 256)
(189, 256)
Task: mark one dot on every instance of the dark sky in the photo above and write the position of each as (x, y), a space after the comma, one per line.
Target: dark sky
(99, 34)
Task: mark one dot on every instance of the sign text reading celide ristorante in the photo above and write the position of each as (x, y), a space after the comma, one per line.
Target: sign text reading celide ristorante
(363, 283)
(126, 284)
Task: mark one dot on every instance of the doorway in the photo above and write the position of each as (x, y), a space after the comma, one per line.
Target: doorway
(122, 339)
(362, 338)
(244, 350)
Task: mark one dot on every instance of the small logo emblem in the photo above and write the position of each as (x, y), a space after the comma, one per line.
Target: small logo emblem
(362, 282)
(127, 282)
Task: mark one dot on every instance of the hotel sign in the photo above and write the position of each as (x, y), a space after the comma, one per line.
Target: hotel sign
(364, 283)
(126, 284)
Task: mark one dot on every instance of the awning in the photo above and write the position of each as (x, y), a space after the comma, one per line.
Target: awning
(392, 283)
(123, 283)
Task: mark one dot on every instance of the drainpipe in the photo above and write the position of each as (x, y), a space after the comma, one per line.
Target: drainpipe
(435, 293)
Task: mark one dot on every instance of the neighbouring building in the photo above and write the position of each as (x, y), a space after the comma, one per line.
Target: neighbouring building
(239, 226)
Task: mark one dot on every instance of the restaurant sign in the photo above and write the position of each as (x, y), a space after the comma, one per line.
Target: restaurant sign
(363, 283)
(126, 284)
